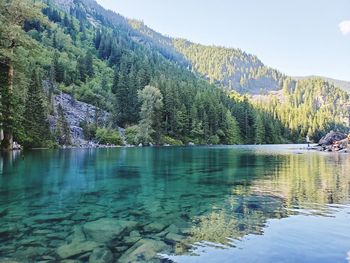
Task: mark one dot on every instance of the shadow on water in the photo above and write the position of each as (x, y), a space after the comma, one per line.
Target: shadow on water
(200, 197)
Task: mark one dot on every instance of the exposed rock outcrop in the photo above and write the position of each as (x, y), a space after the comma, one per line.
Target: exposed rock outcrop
(75, 113)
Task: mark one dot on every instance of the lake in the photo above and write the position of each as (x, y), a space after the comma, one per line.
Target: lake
(275, 203)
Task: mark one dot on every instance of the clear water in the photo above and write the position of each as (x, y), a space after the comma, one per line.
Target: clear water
(224, 204)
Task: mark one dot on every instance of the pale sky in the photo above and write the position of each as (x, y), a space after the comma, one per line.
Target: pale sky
(297, 37)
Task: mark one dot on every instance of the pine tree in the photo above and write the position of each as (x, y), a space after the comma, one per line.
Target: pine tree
(232, 131)
(35, 118)
(259, 129)
(62, 128)
(89, 64)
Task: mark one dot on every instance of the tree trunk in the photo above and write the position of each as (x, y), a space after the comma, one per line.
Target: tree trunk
(7, 141)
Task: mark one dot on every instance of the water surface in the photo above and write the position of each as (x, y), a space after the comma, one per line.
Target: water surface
(194, 204)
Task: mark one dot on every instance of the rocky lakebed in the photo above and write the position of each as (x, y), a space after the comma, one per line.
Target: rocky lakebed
(85, 235)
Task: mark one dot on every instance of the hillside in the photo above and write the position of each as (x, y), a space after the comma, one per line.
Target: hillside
(96, 57)
(344, 85)
(227, 67)
(162, 90)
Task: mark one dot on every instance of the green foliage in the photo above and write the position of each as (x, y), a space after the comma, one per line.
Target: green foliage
(35, 116)
(89, 130)
(108, 136)
(105, 67)
(62, 132)
(171, 141)
(151, 101)
(260, 132)
(131, 134)
(232, 133)
(230, 67)
(310, 107)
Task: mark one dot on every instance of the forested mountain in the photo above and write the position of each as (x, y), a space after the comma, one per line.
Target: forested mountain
(308, 107)
(344, 85)
(154, 86)
(227, 67)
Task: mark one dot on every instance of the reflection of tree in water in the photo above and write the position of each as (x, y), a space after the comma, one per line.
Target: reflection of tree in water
(308, 181)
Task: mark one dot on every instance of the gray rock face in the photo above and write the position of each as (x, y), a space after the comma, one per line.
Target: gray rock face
(105, 230)
(76, 248)
(101, 255)
(75, 113)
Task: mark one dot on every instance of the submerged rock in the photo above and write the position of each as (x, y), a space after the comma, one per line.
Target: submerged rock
(173, 238)
(101, 255)
(42, 218)
(144, 250)
(106, 229)
(76, 249)
(172, 228)
(8, 230)
(154, 227)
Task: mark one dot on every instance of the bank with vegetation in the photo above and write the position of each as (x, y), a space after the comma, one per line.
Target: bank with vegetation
(150, 86)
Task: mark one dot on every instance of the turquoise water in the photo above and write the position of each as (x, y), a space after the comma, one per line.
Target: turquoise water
(199, 204)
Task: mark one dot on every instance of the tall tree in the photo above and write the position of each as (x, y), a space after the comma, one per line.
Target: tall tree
(232, 131)
(62, 128)
(35, 116)
(151, 104)
(259, 129)
(13, 16)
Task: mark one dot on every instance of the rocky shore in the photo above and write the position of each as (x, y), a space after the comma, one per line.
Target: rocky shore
(334, 142)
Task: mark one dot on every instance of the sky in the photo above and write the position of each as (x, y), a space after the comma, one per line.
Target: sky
(297, 37)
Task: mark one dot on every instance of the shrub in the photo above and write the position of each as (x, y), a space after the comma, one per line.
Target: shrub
(108, 136)
(171, 141)
(131, 135)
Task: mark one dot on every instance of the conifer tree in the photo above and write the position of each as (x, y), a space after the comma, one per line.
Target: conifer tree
(62, 128)
(35, 116)
(12, 36)
(259, 129)
(232, 131)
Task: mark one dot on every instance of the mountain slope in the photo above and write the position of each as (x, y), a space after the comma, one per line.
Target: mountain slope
(227, 67)
(344, 85)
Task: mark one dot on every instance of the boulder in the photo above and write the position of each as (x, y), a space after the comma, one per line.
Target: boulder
(331, 137)
(76, 248)
(106, 229)
(144, 250)
(101, 255)
(173, 229)
(154, 227)
(173, 238)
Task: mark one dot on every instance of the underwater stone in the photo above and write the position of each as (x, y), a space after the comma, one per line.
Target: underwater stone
(101, 255)
(49, 217)
(154, 227)
(106, 229)
(143, 251)
(172, 237)
(76, 249)
(8, 229)
(172, 228)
